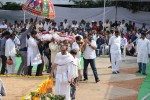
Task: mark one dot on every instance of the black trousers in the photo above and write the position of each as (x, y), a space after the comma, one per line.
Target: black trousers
(30, 70)
(4, 59)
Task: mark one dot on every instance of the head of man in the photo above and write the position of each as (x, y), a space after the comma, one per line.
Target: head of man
(6, 34)
(73, 52)
(63, 49)
(12, 36)
(143, 35)
(90, 36)
(65, 20)
(78, 39)
(116, 33)
(33, 34)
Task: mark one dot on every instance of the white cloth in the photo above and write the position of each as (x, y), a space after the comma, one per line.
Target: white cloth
(115, 61)
(124, 42)
(46, 26)
(107, 26)
(143, 49)
(89, 53)
(10, 49)
(54, 50)
(75, 26)
(65, 25)
(64, 73)
(75, 46)
(115, 51)
(115, 43)
(11, 68)
(75, 71)
(33, 54)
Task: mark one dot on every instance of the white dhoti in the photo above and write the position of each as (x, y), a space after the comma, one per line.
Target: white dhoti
(115, 60)
(11, 68)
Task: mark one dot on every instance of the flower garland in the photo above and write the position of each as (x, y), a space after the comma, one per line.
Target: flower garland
(44, 92)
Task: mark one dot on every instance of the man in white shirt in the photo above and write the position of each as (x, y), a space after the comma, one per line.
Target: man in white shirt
(123, 44)
(107, 25)
(89, 57)
(46, 26)
(74, 25)
(65, 24)
(39, 26)
(10, 53)
(115, 42)
(77, 46)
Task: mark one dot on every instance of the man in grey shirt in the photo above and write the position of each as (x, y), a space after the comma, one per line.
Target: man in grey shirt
(23, 69)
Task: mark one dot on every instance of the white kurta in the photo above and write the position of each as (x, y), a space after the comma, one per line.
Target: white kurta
(75, 46)
(33, 54)
(64, 74)
(115, 51)
(10, 51)
(143, 49)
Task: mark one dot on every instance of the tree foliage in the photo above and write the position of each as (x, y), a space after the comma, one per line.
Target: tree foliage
(12, 6)
(134, 6)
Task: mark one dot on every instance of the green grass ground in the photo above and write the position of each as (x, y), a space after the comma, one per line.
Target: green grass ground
(145, 87)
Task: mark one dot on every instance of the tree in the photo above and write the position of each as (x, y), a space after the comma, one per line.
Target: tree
(12, 6)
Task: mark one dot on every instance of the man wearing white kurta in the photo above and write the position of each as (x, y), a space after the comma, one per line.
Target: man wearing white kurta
(33, 54)
(77, 46)
(115, 42)
(143, 51)
(64, 73)
(10, 52)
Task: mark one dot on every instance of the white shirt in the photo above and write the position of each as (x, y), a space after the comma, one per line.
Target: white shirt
(75, 26)
(65, 25)
(89, 53)
(107, 26)
(123, 41)
(10, 49)
(115, 43)
(75, 46)
(46, 26)
(3, 26)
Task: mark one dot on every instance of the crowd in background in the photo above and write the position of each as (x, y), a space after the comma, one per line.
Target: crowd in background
(101, 34)
(83, 40)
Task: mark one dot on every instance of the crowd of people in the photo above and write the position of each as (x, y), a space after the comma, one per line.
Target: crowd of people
(65, 47)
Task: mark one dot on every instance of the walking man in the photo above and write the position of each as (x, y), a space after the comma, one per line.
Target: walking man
(143, 53)
(65, 63)
(89, 57)
(115, 43)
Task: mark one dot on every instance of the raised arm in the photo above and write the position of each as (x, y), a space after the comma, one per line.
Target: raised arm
(31, 27)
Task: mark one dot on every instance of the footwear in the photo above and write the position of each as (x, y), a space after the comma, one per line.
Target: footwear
(114, 72)
(144, 73)
(110, 67)
(97, 80)
(138, 71)
(118, 72)
(85, 79)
